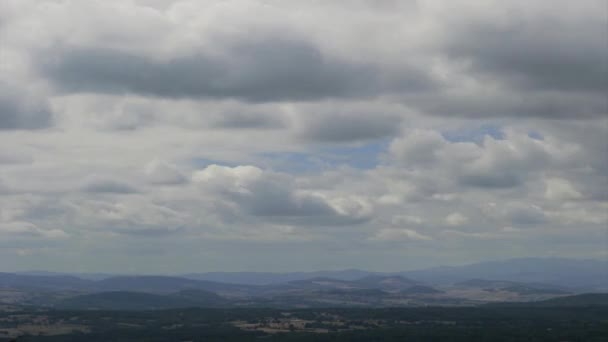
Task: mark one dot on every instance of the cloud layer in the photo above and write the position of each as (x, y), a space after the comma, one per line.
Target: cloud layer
(168, 136)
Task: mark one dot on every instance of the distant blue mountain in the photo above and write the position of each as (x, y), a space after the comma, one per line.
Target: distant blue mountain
(42, 282)
(583, 275)
(575, 275)
(85, 276)
(149, 284)
(165, 284)
(269, 278)
(570, 273)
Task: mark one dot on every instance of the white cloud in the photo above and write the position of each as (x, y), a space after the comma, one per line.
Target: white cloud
(456, 219)
(398, 234)
(559, 189)
(275, 196)
(21, 229)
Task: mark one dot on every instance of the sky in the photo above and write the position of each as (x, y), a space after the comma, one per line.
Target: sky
(159, 136)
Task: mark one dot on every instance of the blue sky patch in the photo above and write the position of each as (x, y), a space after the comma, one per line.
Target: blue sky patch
(364, 157)
(474, 134)
(536, 135)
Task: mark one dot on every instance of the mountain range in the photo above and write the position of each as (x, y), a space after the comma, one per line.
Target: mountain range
(569, 273)
(511, 280)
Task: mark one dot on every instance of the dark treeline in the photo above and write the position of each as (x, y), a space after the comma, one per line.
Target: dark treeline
(489, 323)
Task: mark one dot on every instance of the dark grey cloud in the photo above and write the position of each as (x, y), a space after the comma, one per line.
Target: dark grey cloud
(273, 200)
(507, 178)
(519, 60)
(22, 111)
(522, 215)
(535, 63)
(511, 103)
(234, 119)
(103, 185)
(279, 202)
(263, 69)
(346, 127)
(537, 52)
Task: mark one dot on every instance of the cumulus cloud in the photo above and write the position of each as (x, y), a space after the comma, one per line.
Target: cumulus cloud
(511, 61)
(274, 196)
(419, 147)
(494, 163)
(456, 219)
(523, 47)
(560, 189)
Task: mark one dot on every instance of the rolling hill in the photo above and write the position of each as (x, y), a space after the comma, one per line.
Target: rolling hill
(128, 300)
(580, 300)
(165, 284)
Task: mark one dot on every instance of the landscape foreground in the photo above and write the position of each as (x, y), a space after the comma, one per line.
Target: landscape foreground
(513, 300)
(581, 318)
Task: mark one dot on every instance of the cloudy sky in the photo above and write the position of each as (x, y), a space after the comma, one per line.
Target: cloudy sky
(159, 136)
